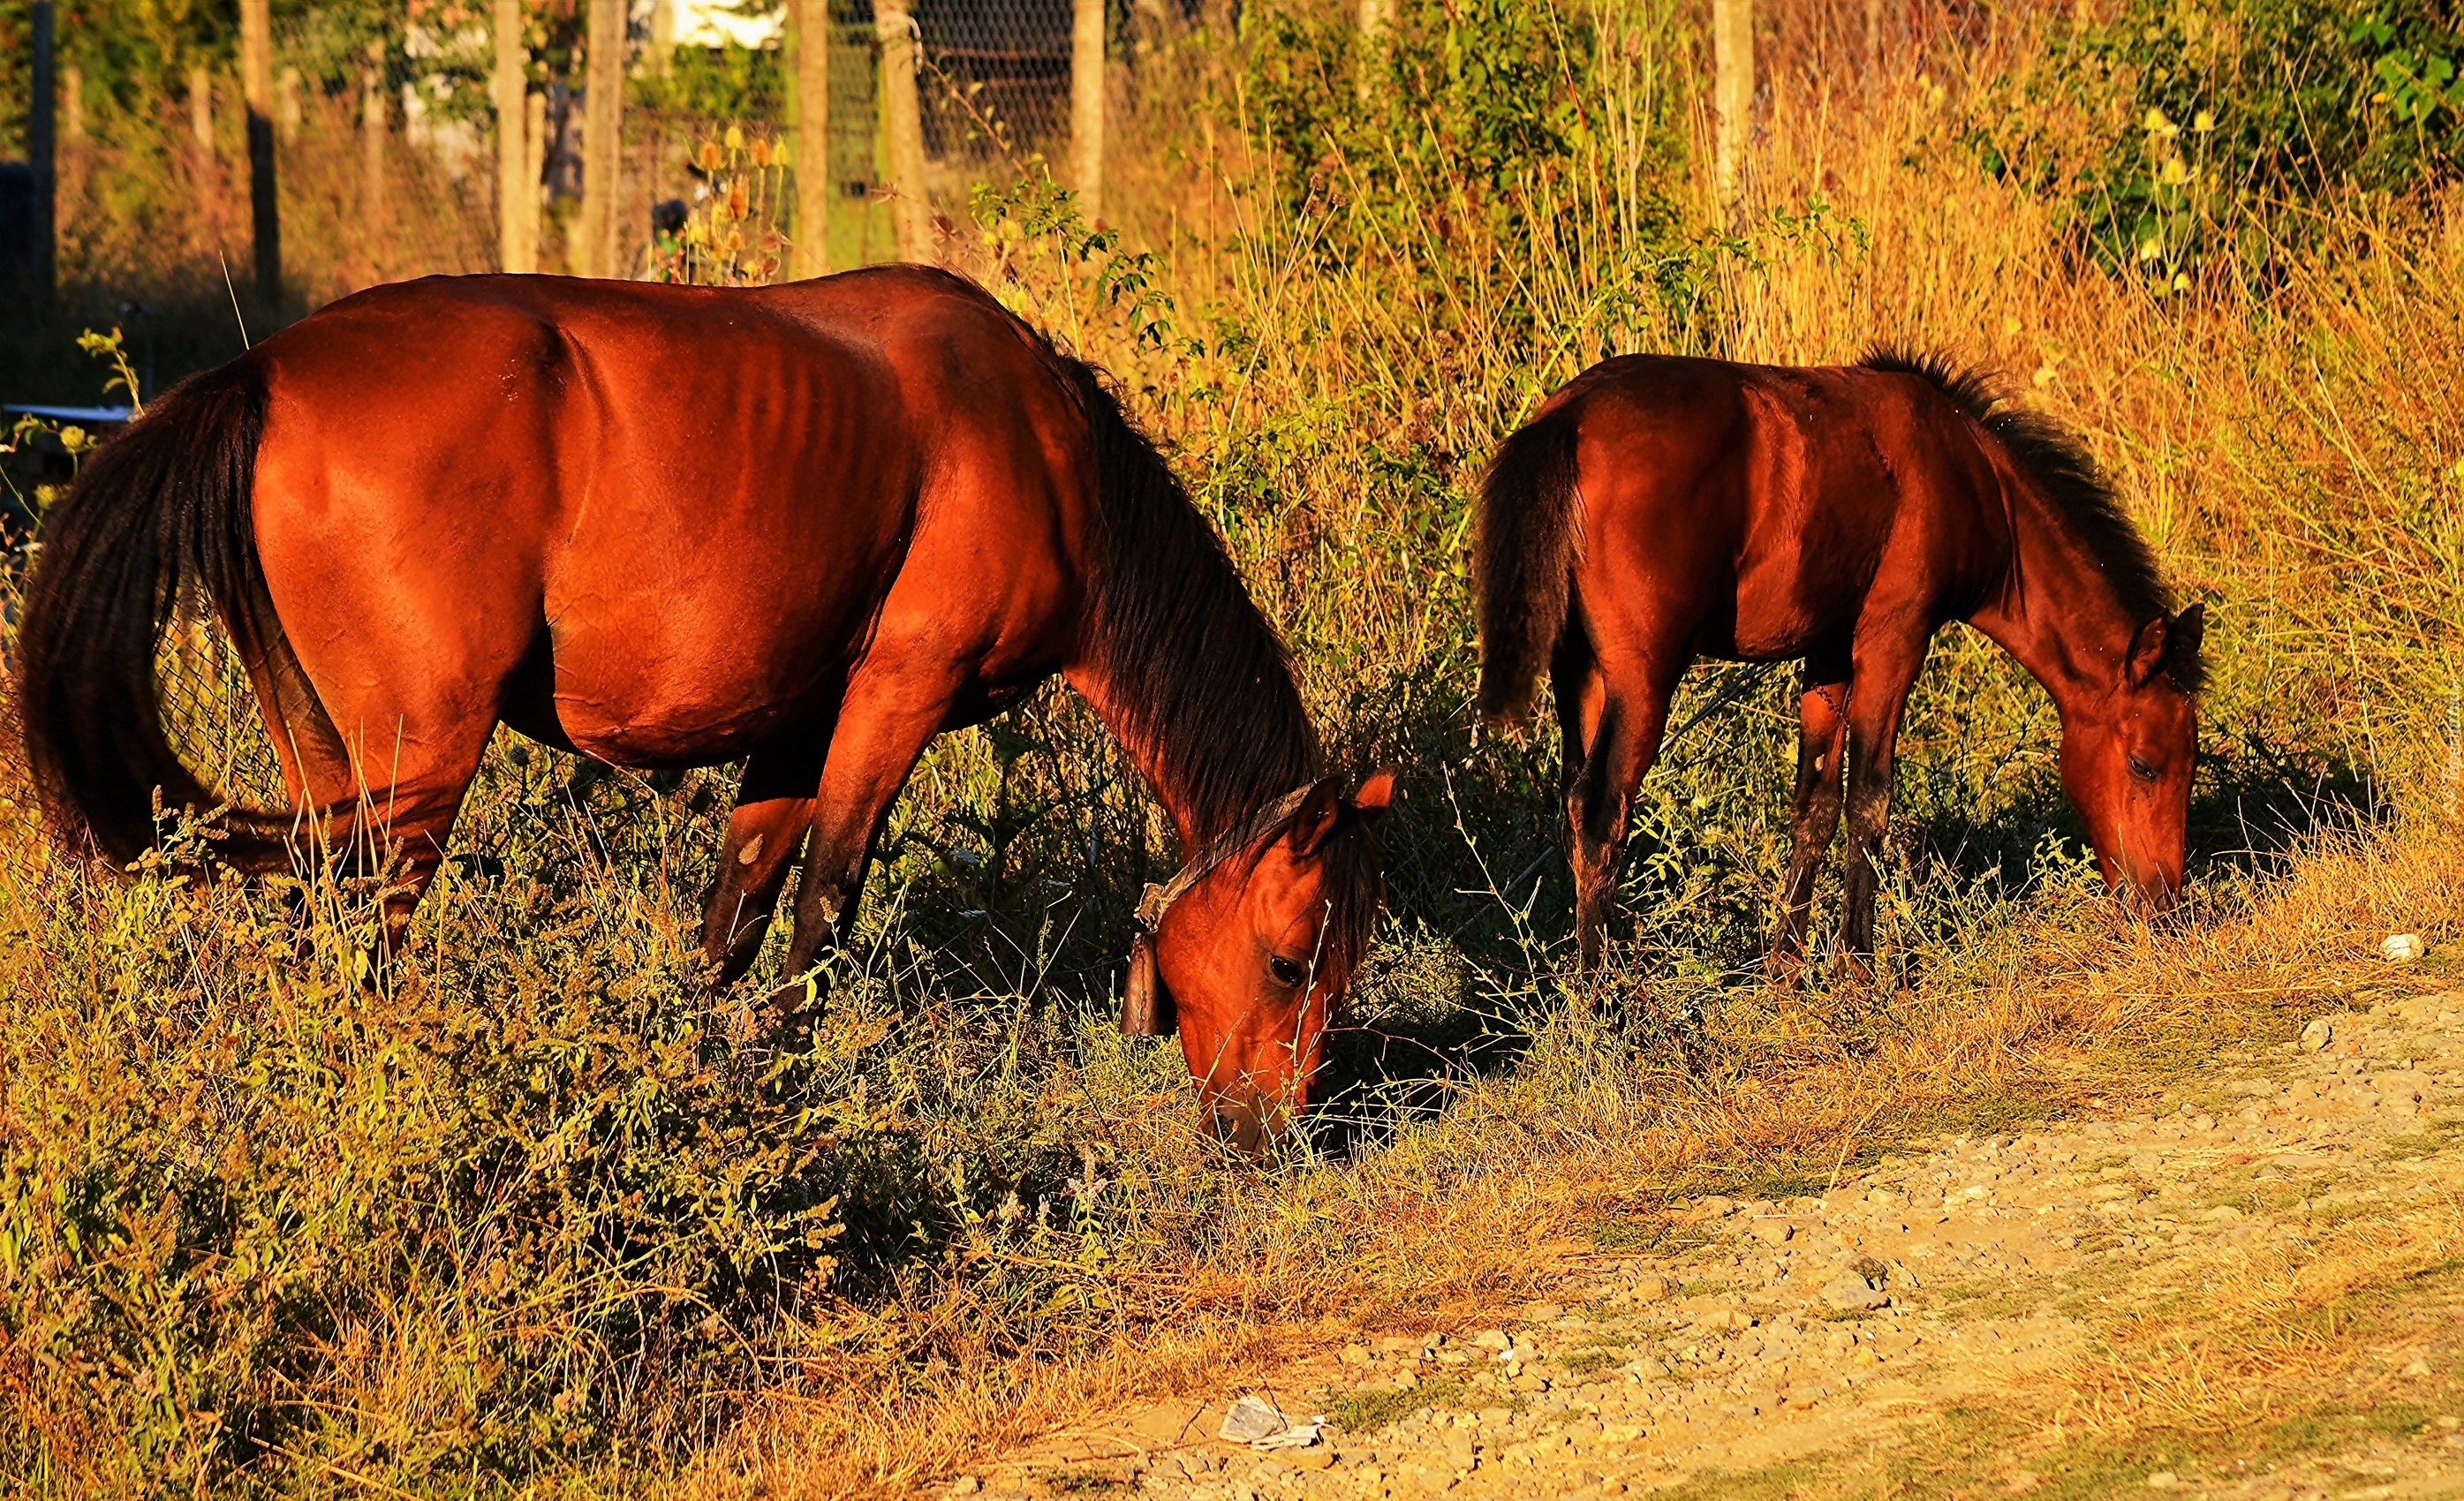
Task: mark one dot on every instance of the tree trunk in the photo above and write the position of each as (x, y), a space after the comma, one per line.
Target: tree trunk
(603, 141)
(1087, 105)
(1733, 46)
(516, 177)
(902, 123)
(256, 84)
(812, 249)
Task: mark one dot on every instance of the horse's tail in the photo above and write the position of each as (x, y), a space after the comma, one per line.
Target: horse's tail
(1529, 537)
(161, 515)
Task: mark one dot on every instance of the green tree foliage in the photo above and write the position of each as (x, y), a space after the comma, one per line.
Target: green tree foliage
(2211, 125)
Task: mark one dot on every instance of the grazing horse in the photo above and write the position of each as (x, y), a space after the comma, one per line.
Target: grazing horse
(812, 525)
(1657, 509)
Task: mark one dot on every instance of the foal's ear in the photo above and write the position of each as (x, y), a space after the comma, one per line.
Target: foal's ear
(2146, 656)
(1375, 796)
(2189, 631)
(1315, 819)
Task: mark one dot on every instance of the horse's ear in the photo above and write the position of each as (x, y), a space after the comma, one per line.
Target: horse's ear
(2148, 650)
(2189, 631)
(1376, 796)
(1315, 819)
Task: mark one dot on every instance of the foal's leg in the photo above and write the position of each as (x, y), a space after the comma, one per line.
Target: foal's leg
(1623, 742)
(774, 807)
(1886, 667)
(1822, 724)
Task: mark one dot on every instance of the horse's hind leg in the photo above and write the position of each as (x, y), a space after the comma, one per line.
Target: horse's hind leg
(774, 807)
(1623, 741)
(1822, 724)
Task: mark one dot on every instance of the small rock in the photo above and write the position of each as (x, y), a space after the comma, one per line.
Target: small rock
(963, 1485)
(1851, 1290)
(2417, 1367)
(2316, 1036)
(1650, 1290)
(1357, 1354)
(2163, 1480)
(1775, 1232)
(1493, 1340)
(2402, 947)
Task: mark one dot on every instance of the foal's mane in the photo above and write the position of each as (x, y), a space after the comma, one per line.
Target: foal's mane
(2084, 501)
(1201, 680)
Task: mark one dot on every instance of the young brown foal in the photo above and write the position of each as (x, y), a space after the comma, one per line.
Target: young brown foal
(1657, 509)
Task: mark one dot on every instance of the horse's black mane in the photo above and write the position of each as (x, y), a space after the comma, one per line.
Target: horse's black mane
(1198, 676)
(2083, 499)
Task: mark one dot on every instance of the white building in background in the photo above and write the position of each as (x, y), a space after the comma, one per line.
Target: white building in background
(711, 23)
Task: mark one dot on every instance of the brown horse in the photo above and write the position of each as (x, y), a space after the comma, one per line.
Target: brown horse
(812, 525)
(1656, 510)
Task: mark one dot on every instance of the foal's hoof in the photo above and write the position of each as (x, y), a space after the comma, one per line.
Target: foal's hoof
(789, 1013)
(1785, 967)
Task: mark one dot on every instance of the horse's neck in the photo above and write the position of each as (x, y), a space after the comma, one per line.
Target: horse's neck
(1225, 755)
(2054, 610)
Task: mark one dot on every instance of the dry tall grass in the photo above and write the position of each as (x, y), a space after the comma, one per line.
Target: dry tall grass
(531, 1210)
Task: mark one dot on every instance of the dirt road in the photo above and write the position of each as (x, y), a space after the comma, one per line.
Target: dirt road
(2250, 1290)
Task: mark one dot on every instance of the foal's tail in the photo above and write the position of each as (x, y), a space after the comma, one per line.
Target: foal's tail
(1529, 537)
(160, 517)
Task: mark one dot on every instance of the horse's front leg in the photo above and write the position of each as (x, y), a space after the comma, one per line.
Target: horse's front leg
(886, 721)
(1886, 670)
(774, 807)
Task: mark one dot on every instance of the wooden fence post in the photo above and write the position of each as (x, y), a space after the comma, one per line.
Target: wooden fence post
(204, 173)
(534, 163)
(812, 249)
(1732, 47)
(68, 180)
(516, 180)
(1377, 17)
(603, 140)
(41, 155)
(372, 162)
(256, 87)
(1087, 105)
(902, 121)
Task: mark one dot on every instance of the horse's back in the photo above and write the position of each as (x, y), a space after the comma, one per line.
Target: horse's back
(1750, 510)
(698, 499)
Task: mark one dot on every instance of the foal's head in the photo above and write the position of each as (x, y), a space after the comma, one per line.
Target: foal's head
(1260, 952)
(2128, 755)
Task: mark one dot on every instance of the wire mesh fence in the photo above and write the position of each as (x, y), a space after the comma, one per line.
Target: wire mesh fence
(387, 130)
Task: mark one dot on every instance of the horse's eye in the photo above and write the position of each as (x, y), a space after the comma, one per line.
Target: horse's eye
(2142, 770)
(1288, 972)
